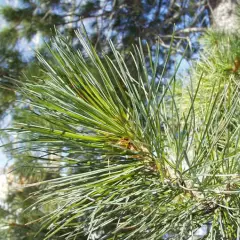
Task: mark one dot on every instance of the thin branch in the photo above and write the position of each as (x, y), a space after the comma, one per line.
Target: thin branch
(191, 30)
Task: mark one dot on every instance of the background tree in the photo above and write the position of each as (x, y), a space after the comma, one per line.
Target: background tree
(224, 15)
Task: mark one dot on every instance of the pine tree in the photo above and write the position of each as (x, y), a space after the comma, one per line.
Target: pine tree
(123, 21)
(163, 169)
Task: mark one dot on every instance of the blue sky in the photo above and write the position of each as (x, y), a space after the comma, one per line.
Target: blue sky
(3, 159)
(2, 2)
